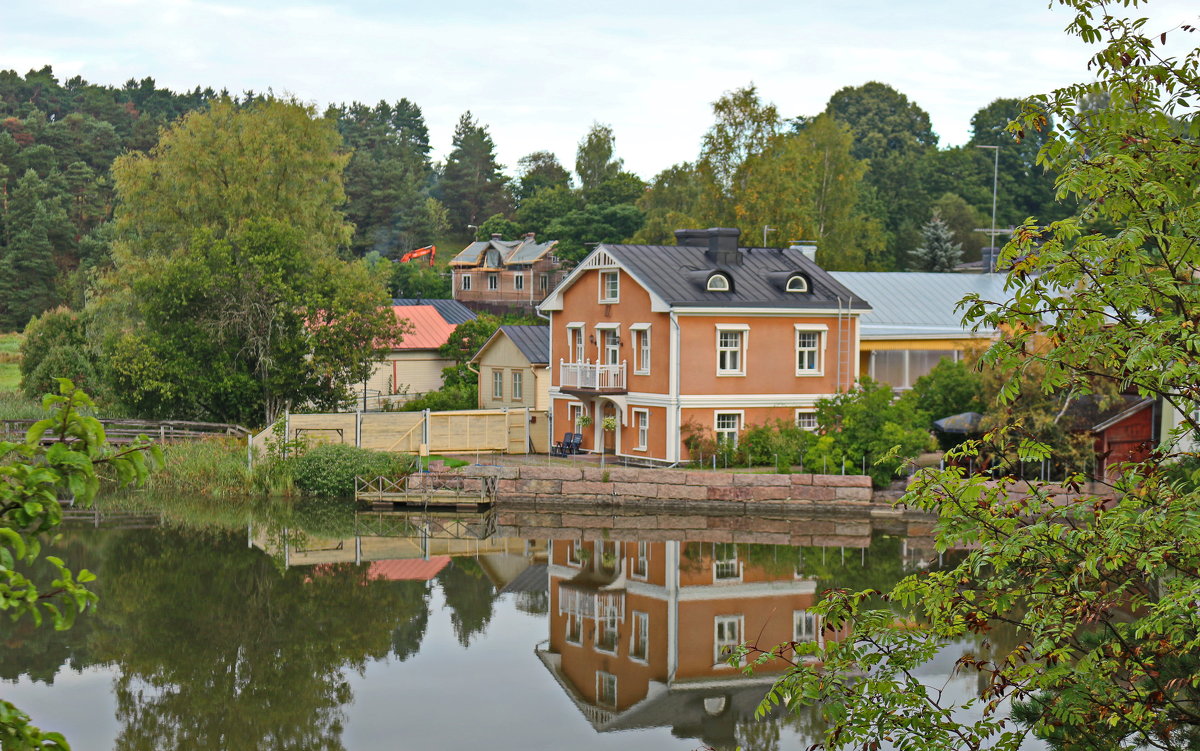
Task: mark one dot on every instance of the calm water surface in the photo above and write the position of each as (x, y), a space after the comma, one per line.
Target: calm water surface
(315, 627)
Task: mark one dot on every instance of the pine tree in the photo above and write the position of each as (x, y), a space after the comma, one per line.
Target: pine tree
(27, 269)
(471, 185)
(938, 252)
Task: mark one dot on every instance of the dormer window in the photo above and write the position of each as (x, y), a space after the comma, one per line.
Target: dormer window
(718, 283)
(797, 283)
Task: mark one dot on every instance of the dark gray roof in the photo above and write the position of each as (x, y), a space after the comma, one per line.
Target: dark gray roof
(451, 311)
(536, 578)
(679, 274)
(533, 341)
(919, 304)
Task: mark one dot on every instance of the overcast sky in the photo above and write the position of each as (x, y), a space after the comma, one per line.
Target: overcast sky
(539, 73)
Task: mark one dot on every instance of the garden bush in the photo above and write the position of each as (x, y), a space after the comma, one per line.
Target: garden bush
(329, 469)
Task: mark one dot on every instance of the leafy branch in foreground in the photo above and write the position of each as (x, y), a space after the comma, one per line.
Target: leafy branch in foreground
(65, 453)
(1100, 588)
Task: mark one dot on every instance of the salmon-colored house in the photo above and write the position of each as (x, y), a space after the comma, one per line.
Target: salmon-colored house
(640, 632)
(703, 335)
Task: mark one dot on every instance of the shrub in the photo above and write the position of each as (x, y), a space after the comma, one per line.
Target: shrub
(213, 467)
(61, 361)
(330, 469)
(60, 327)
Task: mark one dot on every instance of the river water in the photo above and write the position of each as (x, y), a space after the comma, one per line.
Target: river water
(227, 625)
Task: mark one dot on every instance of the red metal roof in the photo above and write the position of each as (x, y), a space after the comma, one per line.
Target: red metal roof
(429, 329)
(408, 569)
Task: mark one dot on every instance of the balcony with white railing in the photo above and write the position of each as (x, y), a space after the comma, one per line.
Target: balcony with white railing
(590, 376)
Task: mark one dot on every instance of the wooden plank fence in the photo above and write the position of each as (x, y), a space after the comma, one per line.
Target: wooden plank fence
(126, 431)
(502, 431)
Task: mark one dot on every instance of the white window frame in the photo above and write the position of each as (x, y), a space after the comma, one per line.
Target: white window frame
(738, 566)
(641, 562)
(641, 348)
(741, 423)
(802, 287)
(821, 332)
(466, 282)
(575, 343)
(573, 619)
(518, 282)
(607, 621)
(640, 633)
(742, 349)
(806, 626)
(498, 384)
(493, 281)
(720, 623)
(641, 421)
(518, 385)
(806, 413)
(573, 558)
(602, 678)
(717, 283)
(608, 337)
(544, 282)
(605, 297)
(574, 412)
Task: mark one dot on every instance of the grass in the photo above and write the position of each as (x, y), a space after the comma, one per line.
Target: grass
(451, 462)
(10, 357)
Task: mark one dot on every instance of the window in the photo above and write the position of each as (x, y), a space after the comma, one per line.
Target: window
(606, 688)
(518, 282)
(731, 351)
(806, 420)
(610, 286)
(518, 385)
(606, 630)
(575, 342)
(726, 566)
(718, 283)
(641, 561)
(493, 281)
(639, 640)
(466, 281)
(641, 418)
(574, 628)
(808, 352)
(574, 412)
(497, 384)
(641, 348)
(804, 625)
(612, 346)
(727, 425)
(544, 282)
(797, 283)
(728, 634)
(573, 557)
(901, 368)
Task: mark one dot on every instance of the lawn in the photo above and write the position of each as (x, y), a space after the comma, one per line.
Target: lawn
(10, 375)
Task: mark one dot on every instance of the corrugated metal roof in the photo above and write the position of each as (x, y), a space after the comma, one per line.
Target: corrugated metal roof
(408, 569)
(533, 341)
(429, 329)
(679, 274)
(529, 251)
(918, 304)
(452, 310)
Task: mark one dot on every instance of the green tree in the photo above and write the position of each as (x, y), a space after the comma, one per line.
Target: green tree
(672, 201)
(226, 166)
(594, 159)
(745, 126)
(497, 224)
(578, 230)
(892, 134)
(272, 323)
(809, 186)
(963, 221)
(414, 279)
(470, 183)
(27, 268)
(938, 252)
(32, 477)
(1102, 591)
(537, 212)
(862, 426)
(539, 171)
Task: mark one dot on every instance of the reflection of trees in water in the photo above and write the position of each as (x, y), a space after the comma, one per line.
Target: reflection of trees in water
(410, 632)
(534, 603)
(756, 735)
(39, 652)
(469, 595)
(219, 650)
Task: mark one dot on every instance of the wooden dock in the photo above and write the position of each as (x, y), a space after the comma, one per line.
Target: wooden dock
(427, 489)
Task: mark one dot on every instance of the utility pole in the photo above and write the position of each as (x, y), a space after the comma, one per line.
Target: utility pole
(995, 183)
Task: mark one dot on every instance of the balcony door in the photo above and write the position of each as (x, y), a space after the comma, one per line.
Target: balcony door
(611, 354)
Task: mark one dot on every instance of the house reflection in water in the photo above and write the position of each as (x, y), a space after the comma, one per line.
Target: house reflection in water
(639, 631)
